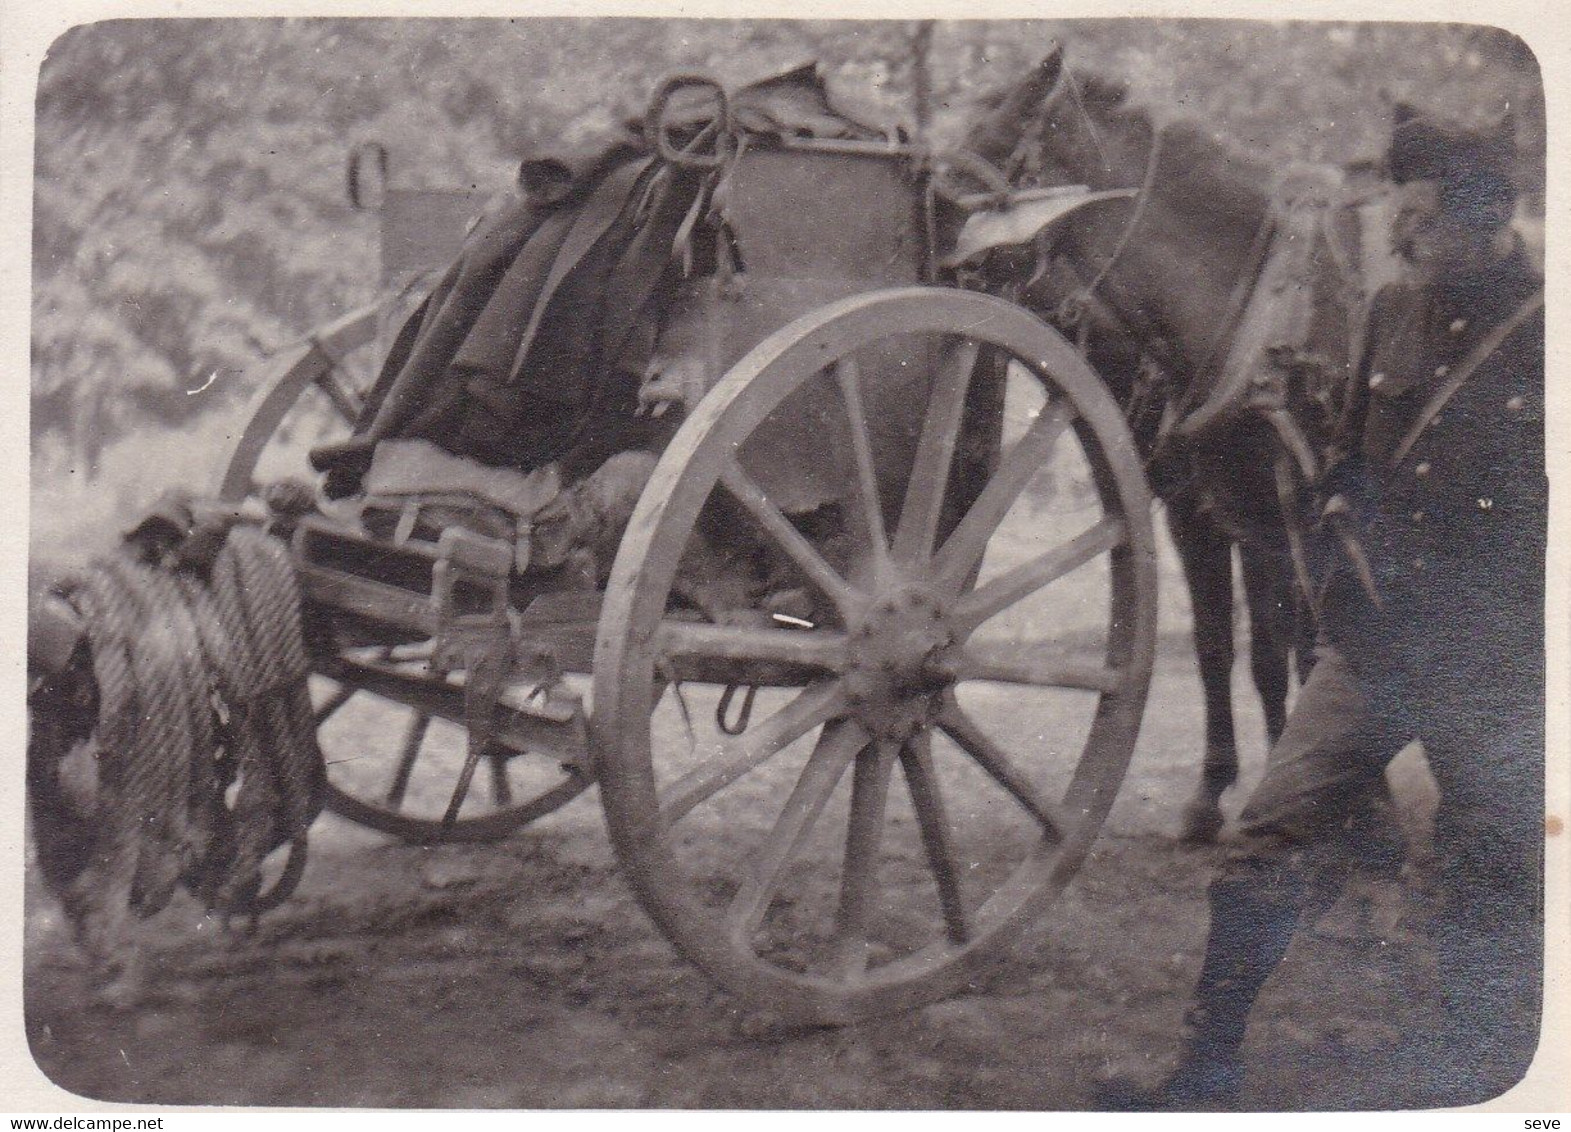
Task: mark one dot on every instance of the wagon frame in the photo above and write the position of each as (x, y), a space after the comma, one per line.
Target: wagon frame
(875, 671)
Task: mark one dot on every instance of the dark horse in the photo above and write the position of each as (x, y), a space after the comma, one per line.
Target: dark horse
(1157, 293)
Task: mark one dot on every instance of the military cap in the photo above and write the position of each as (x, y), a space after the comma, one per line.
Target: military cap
(1474, 170)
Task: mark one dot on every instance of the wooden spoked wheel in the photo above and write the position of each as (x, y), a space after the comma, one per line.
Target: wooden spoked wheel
(987, 638)
(396, 763)
(392, 737)
(311, 395)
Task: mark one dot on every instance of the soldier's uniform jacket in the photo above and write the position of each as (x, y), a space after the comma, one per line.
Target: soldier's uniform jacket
(1454, 532)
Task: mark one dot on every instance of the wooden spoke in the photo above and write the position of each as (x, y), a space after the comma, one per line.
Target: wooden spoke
(849, 377)
(501, 788)
(916, 759)
(329, 707)
(789, 539)
(408, 754)
(683, 644)
(964, 548)
(935, 451)
(859, 876)
(1008, 588)
(837, 746)
(747, 752)
(1012, 662)
(955, 723)
(466, 776)
(344, 399)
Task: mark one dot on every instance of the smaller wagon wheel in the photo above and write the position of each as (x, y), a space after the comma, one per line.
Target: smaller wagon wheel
(975, 667)
(395, 747)
(390, 733)
(311, 395)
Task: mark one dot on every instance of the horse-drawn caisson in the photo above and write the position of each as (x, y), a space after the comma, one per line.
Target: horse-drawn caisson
(709, 474)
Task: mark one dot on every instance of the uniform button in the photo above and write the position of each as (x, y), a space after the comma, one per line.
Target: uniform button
(1418, 516)
(1377, 380)
(1458, 325)
(1418, 565)
(1485, 504)
(1422, 469)
(1515, 404)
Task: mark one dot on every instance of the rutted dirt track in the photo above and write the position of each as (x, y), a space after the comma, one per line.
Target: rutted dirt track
(524, 974)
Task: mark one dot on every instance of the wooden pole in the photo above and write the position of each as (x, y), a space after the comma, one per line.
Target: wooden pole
(922, 76)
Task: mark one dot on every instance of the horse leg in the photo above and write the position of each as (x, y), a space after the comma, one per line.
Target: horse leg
(1206, 555)
(1268, 591)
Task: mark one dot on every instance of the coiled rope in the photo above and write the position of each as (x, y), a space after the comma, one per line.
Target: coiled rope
(206, 752)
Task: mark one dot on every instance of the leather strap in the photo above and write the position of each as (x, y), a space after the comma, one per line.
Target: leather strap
(600, 211)
(1480, 354)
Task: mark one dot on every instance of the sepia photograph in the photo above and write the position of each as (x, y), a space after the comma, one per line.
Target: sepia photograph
(583, 563)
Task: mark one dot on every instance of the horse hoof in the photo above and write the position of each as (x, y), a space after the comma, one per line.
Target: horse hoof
(1202, 823)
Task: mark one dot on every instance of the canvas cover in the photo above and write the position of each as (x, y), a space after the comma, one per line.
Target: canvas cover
(532, 346)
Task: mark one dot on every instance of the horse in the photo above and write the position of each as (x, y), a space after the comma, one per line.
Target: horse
(1160, 293)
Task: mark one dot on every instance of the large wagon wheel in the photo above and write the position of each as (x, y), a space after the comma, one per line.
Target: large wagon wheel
(392, 740)
(744, 848)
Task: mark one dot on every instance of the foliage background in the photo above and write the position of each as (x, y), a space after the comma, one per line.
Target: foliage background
(190, 209)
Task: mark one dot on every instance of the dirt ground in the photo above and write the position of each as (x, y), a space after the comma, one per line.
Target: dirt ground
(523, 974)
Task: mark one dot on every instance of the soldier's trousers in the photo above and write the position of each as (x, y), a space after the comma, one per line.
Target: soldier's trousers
(1483, 735)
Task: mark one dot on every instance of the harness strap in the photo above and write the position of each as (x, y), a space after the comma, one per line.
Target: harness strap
(1480, 354)
(1355, 274)
(1072, 308)
(1239, 301)
(600, 211)
(1287, 502)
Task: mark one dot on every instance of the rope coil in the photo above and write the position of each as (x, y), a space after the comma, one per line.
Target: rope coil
(204, 743)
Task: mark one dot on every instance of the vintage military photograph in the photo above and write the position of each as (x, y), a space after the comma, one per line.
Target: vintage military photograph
(706, 564)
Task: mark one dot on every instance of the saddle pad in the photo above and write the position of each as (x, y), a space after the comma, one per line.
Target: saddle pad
(418, 467)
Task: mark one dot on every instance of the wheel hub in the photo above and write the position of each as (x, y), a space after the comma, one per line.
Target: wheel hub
(894, 676)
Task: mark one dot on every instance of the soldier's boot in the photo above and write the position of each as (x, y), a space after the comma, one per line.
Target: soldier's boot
(1249, 936)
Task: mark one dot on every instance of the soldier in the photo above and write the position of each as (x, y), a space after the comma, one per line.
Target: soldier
(1438, 635)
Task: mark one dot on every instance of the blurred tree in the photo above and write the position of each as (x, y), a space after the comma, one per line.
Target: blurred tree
(190, 214)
